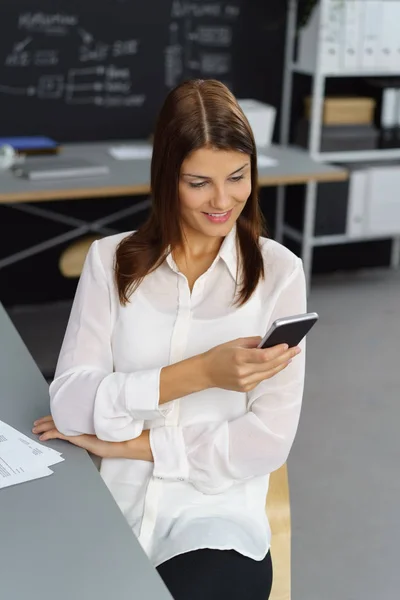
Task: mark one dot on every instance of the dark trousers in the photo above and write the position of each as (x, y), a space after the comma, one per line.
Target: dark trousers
(217, 575)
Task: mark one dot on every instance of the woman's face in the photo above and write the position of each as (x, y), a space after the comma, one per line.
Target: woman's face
(214, 186)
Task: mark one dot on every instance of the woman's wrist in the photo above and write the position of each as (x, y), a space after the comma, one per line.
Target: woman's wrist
(137, 449)
(184, 378)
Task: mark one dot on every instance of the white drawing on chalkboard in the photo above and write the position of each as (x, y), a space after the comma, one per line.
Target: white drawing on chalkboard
(50, 86)
(19, 46)
(19, 56)
(187, 25)
(185, 56)
(134, 100)
(211, 35)
(51, 24)
(100, 70)
(125, 48)
(83, 80)
(85, 84)
(87, 38)
(19, 91)
(18, 59)
(199, 30)
(173, 57)
(232, 11)
(46, 58)
(182, 8)
(92, 50)
(97, 53)
(215, 64)
(113, 72)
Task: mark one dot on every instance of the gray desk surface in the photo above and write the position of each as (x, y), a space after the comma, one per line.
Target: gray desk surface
(131, 177)
(61, 536)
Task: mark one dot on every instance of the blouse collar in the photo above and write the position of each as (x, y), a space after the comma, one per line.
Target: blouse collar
(227, 252)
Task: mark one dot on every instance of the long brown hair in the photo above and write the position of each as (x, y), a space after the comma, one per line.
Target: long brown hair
(195, 114)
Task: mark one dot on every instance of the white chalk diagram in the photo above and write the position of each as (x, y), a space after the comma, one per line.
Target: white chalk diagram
(200, 42)
(103, 83)
(197, 48)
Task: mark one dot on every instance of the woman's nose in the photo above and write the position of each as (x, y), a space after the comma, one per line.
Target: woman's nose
(221, 201)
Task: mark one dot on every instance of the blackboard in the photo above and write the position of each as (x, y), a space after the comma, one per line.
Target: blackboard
(92, 70)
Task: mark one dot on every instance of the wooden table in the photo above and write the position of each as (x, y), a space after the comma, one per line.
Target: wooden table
(130, 178)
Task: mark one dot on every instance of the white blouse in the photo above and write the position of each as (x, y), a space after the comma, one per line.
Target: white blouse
(213, 450)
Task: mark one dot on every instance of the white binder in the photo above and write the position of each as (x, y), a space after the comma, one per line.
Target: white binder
(382, 205)
(396, 27)
(325, 34)
(332, 37)
(388, 39)
(371, 28)
(389, 108)
(398, 108)
(351, 47)
(356, 203)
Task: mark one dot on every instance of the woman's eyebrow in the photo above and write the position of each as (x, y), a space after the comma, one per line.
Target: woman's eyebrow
(206, 177)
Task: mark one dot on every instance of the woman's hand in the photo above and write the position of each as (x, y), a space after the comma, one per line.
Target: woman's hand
(240, 366)
(47, 430)
(138, 449)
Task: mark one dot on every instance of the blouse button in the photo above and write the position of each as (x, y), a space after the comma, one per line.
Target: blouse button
(158, 477)
(180, 479)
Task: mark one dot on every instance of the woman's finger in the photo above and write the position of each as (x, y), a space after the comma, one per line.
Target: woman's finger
(52, 434)
(45, 426)
(258, 356)
(43, 420)
(257, 378)
(265, 365)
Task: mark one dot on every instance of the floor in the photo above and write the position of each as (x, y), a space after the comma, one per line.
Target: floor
(343, 468)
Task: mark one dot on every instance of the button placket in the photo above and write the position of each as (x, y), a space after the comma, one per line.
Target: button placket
(179, 337)
(178, 347)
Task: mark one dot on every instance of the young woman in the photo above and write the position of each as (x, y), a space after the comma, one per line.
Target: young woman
(159, 372)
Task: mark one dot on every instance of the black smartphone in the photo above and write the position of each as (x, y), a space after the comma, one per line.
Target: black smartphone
(289, 330)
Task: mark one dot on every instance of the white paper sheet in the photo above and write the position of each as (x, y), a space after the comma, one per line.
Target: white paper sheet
(266, 161)
(131, 151)
(13, 478)
(23, 459)
(144, 151)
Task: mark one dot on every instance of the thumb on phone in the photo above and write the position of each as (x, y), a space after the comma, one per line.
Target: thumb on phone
(249, 342)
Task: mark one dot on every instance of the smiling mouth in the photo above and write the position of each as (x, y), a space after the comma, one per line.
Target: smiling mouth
(219, 214)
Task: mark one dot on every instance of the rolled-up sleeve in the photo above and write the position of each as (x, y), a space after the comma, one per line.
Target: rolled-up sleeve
(87, 395)
(215, 456)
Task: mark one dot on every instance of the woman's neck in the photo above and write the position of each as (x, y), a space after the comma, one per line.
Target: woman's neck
(197, 246)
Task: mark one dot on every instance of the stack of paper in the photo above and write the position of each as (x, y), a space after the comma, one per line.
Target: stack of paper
(141, 151)
(23, 459)
(266, 161)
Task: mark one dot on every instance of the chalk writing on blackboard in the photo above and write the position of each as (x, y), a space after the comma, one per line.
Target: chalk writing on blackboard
(45, 58)
(55, 24)
(197, 35)
(56, 57)
(96, 78)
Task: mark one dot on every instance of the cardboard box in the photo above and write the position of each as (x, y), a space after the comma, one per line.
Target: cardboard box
(343, 110)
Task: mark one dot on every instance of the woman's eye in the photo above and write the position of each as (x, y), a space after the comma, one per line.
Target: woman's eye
(198, 185)
(203, 183)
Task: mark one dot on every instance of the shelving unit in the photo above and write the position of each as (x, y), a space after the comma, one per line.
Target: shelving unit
(342, 74)
(306, 237)
(365, 155)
